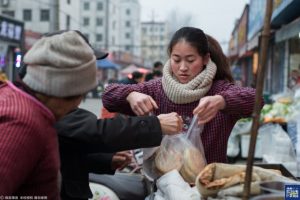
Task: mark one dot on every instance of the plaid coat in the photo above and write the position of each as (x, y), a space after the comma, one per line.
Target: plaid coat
(239, 103)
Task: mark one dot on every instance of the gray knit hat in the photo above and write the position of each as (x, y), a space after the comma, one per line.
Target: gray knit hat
(62, 65)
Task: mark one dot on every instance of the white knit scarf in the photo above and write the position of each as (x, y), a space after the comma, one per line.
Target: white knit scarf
(192, 91)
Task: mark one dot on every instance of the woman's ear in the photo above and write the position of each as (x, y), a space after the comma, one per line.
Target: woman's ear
(206, 58)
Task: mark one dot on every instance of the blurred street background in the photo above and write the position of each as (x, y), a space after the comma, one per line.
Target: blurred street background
(93, 105)
(136, 34)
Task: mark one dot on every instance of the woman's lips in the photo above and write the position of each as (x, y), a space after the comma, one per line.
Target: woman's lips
(183, 75)
(183, 78)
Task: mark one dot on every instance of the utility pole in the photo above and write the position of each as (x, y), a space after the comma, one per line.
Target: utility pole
(258, 97)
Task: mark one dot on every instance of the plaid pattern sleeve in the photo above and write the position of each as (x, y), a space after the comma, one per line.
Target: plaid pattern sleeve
(235, 97)
(239, 103)
(114, 96)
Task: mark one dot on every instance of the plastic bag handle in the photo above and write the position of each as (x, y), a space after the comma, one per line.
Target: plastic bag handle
(193, 123)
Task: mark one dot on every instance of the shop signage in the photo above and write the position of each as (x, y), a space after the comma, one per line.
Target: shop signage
(11, 30)
(257, 10)
(233, 43)
(3, 48)
(278, 6)
(242, 28)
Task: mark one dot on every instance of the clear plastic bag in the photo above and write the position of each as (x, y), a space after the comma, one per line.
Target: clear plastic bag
(194, 134)
(175, 152)
(183, 152)
(278, 147)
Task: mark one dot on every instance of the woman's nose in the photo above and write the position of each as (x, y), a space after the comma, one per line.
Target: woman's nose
(182, 66)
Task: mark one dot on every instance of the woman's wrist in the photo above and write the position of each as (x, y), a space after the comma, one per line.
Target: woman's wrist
(221, 102)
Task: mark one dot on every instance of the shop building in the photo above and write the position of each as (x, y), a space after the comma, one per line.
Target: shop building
(286, 21)
(283, 57)
(11, 45)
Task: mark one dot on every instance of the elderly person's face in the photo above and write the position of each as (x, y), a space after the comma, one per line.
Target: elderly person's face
(186, 62)
(60, 106)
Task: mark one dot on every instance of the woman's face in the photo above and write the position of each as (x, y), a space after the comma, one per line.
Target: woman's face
(186, 62)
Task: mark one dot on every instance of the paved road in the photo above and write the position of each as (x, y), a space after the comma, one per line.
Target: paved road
(93, 105)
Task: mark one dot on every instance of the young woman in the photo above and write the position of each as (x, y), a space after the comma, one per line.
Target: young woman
(196, 81)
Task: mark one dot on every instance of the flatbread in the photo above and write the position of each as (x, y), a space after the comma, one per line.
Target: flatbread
(218, 176)
(193, 164)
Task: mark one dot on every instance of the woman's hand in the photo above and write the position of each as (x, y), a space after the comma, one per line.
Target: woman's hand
(170, 123)
(121, 159)
(141, 104)
(208, 108)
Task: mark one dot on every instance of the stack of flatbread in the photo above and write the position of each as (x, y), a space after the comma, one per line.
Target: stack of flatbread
(189, 162)
(218, 179)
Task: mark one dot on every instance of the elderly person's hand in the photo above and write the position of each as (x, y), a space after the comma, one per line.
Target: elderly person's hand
(170, 123)
(208, 108)
(141, 104)
(121, 159)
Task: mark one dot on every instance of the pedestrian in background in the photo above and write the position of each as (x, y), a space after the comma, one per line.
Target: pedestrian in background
(158, 66)
(196, 81)
(136, 77)
(156, 71)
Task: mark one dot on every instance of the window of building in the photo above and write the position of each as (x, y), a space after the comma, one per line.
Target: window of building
(27, 15)
(294, 62)
(68, 22)
(144, 29)
(113, 40)
(68, 1)
(87, 36)
(86, 5)
(128, 11)
(86, 21)
(127, 23)
(127, 35)
(98, 37)
(99, 6)
(114, 25)
(10, 13)
(114, 9)
(127, 48)
(45, 15)
(99, 22)
(162, 29)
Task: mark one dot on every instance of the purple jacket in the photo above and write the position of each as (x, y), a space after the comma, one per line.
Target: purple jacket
(239, 103)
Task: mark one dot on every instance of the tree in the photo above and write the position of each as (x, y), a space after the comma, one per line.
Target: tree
(178, 19)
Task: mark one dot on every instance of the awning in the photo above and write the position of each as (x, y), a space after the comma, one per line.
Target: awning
(287, 11)
(288, 31)
(107, 64)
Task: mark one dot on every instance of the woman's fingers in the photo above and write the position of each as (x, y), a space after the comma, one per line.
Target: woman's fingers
(141, 104)
(153, 103)
(206, 117)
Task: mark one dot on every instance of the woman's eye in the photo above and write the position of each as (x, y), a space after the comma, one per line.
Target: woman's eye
(190, 61)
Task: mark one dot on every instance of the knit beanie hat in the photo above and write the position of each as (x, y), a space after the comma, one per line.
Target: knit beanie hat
(61, 65)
